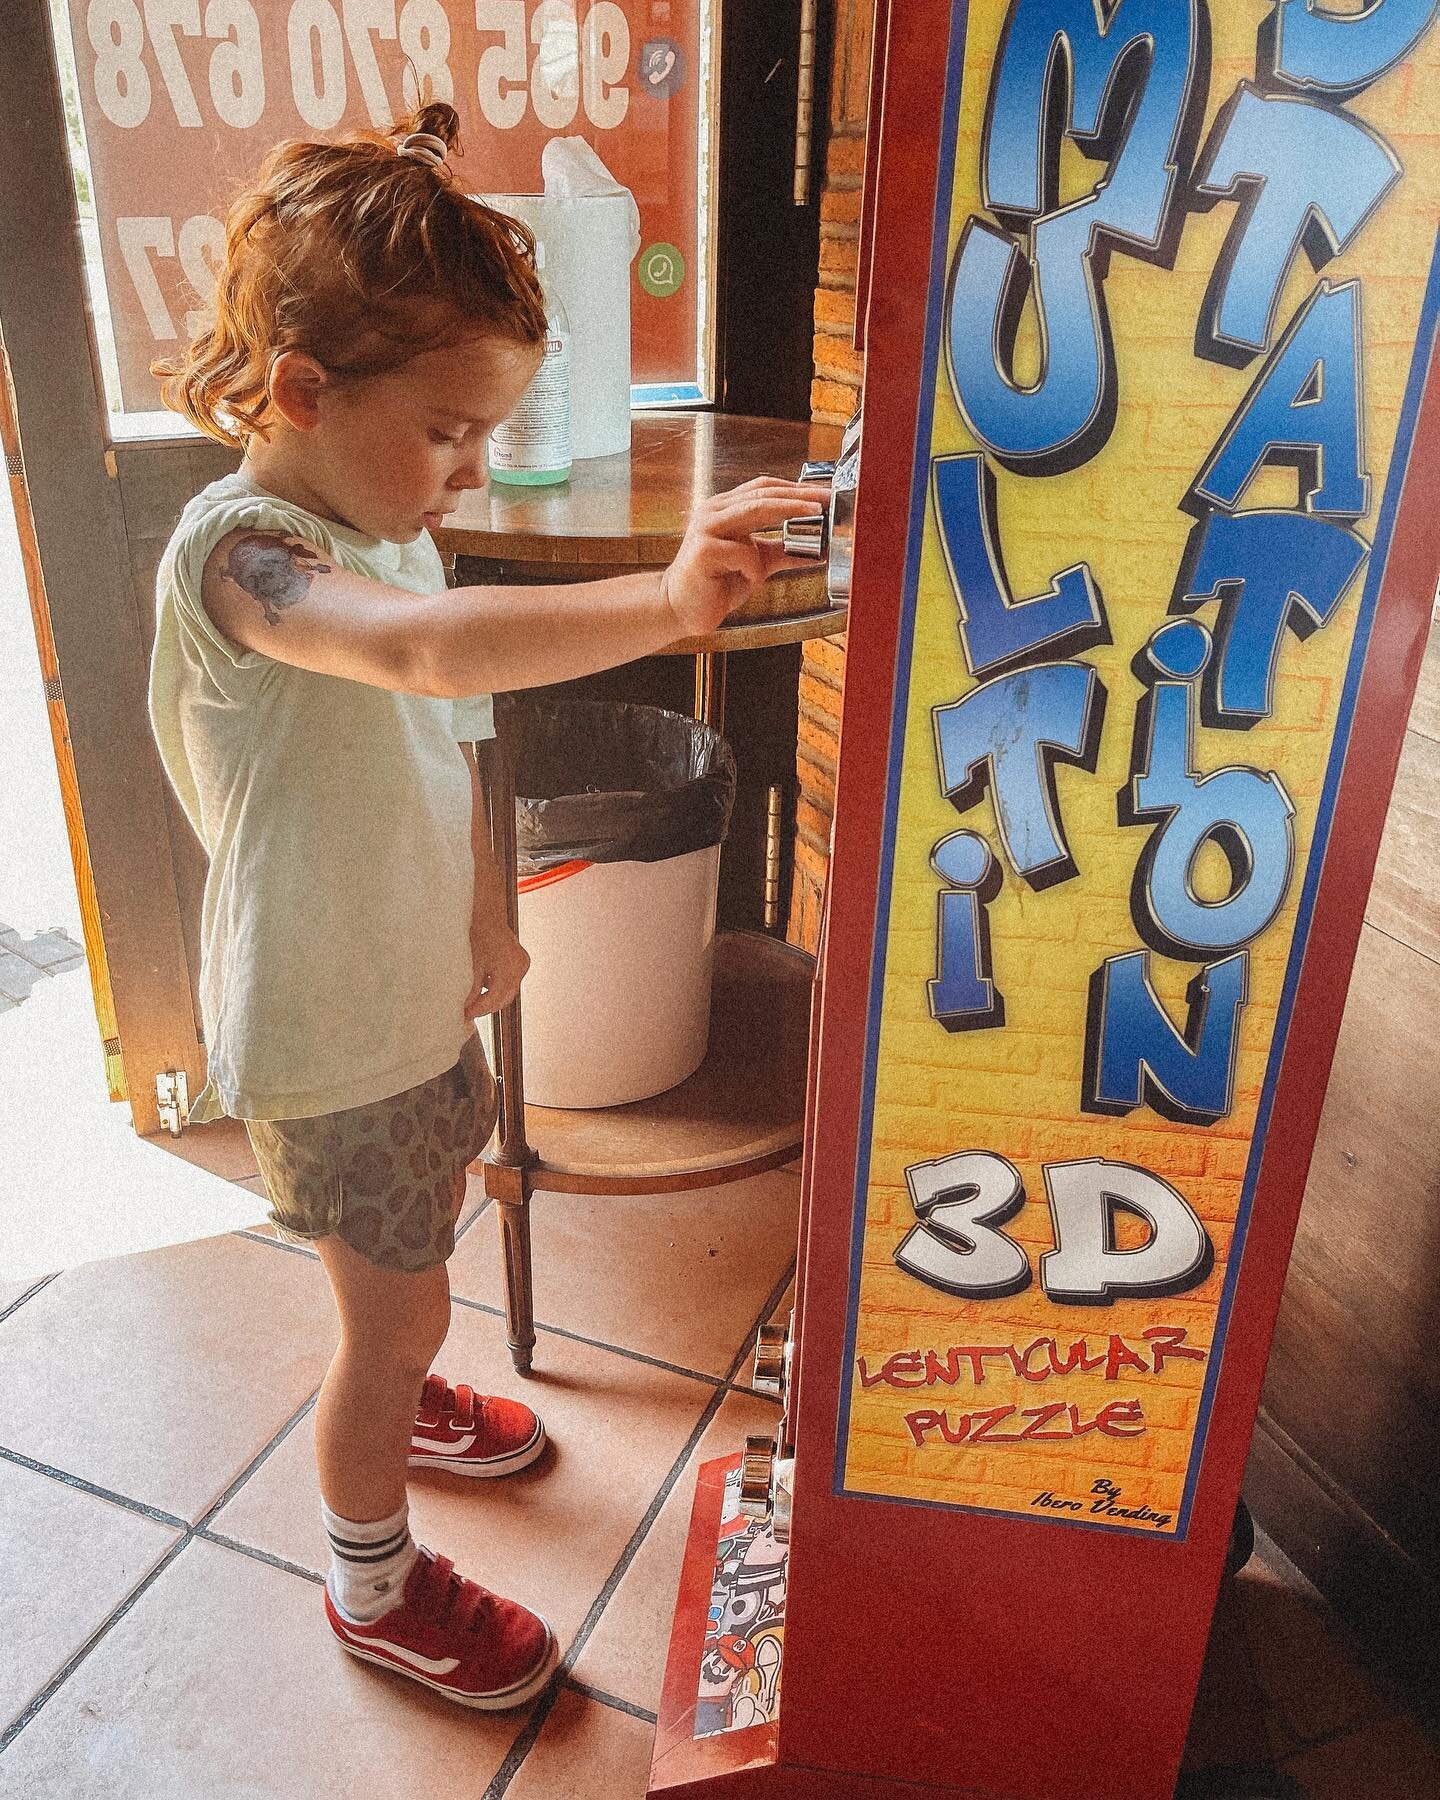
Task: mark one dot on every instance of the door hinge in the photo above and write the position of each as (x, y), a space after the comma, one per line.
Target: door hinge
(172, 1092)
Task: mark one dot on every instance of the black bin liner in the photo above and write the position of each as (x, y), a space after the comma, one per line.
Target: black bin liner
(612, 781)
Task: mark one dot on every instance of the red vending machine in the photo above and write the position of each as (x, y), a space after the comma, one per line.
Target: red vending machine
(1145, 546)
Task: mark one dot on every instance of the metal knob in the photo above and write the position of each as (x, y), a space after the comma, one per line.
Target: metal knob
(756, 1466)
(772, 1361)
(806, 536)
(781, 1498)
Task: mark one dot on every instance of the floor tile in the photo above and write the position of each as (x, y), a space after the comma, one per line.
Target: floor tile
(159, 1376)
(745, 1374)
(1393, 1760)
(625, 1654)
(586, 1751)
(81, 1557)
(51, 951)
(678, 1276)
(223, 1683)
(551, 1535)
(222, 1147)
(1313, 1681)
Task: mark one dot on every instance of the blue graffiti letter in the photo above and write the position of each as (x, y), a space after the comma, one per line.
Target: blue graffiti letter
(963, 995)
(1122, 88)
(1247, 814)
(1337, 54)
(1306, 178)
(1007, 735)
(1303, 412)
(1134, 1055)
(1268, 570)
(997, 632)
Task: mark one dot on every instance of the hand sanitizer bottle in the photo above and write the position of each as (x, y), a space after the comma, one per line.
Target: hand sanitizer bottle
(532, 447)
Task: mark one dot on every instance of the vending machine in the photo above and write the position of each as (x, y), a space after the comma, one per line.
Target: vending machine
(1141, 538)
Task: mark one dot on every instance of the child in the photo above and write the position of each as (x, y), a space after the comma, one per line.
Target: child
(311, 683)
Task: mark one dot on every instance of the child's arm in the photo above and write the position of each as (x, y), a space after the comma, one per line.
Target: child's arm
(280, 596)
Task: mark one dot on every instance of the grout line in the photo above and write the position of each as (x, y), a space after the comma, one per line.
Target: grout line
(578, 1337)
(190, 1533)
(524, 1742)
(753, 1393)
(777, 1294)
(264, 1556)
(29, 1294)
(598, 1694)
(202, 1523)
(475, 1217)
(533, 1726)
(93, 1488)
(275, 1243)
(58, 1680)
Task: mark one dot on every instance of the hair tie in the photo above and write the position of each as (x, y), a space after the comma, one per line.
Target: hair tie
(425, 147)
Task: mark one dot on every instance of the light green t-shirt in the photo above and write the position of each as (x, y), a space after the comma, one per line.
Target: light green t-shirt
(335, 932)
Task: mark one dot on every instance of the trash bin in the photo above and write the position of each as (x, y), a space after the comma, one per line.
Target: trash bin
(620, 813)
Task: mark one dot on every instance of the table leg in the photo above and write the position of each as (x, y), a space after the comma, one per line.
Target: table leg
(509, 1161)
(710, 688)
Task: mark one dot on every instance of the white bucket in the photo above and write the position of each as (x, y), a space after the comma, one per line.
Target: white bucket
(616, 1006)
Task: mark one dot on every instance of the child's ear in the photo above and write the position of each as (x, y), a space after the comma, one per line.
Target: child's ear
(295, 383)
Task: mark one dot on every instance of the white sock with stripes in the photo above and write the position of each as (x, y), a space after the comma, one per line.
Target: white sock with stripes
(369, 1562)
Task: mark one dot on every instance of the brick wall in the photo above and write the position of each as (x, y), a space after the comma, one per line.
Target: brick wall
(833, 395)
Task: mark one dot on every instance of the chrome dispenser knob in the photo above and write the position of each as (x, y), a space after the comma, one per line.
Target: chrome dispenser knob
(772, 1361)
(817, 471)
(781, 1497)
(841, 536)
(806, 536)
(756, 1466)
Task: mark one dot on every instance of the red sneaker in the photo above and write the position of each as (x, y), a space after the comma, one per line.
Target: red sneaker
(472, 1434)
(456, 1638)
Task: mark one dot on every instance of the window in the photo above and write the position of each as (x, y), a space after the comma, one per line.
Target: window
(173, 103)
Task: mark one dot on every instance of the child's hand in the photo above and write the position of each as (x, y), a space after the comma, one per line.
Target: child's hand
(720, 562)
(500, 964)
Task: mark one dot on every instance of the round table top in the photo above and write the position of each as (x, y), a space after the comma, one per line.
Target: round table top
(630, 509)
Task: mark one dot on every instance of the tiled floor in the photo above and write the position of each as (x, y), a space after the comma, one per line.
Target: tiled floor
(160, 1605)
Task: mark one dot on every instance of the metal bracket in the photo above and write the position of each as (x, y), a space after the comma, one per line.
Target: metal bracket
(172, 1093)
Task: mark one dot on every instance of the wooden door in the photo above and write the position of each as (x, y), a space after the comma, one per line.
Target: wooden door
(92, 520)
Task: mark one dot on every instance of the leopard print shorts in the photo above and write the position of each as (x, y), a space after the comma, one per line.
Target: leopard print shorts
(381, 1176)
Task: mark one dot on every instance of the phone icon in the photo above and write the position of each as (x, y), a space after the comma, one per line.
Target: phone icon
(660, 67)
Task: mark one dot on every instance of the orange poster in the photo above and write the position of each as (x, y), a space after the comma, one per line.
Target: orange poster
(181, 99)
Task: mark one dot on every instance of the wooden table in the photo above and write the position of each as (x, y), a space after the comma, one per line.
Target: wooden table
(743, 1110)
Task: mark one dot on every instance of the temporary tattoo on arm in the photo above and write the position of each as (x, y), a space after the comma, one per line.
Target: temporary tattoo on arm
(274, 569)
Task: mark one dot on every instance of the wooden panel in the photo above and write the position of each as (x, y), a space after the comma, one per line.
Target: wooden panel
(156, 481)
(1385, 1595)
(79, 531)
(91, 930)
(1354, 1379)
(1425, 715)
(1404, 901)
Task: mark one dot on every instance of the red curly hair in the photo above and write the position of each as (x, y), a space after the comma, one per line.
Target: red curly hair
(361, 258)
